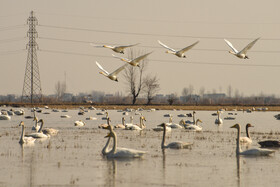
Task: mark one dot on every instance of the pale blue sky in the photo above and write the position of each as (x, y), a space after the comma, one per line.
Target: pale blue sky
(177, 23)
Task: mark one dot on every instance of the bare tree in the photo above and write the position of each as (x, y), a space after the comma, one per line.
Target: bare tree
(185, 94)
(172, 98)
(60, 90)
(229, 90)
(151, 86)
(134, 76)
(201, 91)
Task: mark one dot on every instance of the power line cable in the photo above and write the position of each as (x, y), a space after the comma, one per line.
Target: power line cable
(12, 39)
(166, 61)
(149, 34)
(12, 27)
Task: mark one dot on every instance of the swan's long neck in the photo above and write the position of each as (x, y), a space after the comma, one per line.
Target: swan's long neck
(247, 132)
(238, 148)
(163, 137)
(115, 143)
(171, 52)
(131, 120)
(41, 126)
(101, 72)
(193, 118)
(170, 119)
(105, 148)
(123, 121)
(21, 140)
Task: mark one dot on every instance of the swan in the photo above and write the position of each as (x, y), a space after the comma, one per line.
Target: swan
(219, 120)
(270, 143)
(91, 118)
(241, 54)
(65, 116)
(120, 152)
(121, 126)
(131, 122)
(47, 131)
(179, 53)
(139, 127)
(5, 117)
(36, 127)
(249, 152)
(117, 49)
(173, 125)
(195, 127)
(191, 122)
(79, 123)
(173, 145)
(39, 134)
(106, 117)
(247, 140)
(113, 75)
(135, 61)
(23, 139)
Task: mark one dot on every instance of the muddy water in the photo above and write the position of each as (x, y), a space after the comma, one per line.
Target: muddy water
(73, 157)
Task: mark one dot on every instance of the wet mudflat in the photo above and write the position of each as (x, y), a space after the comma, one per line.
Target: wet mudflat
(73, 157)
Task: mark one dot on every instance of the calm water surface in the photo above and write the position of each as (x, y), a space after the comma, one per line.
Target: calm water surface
(73, 157)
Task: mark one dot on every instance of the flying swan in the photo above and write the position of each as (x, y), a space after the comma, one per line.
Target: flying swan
(113, 75)
(179, 53)
(135, 61)
(117, 49)
(241, 54)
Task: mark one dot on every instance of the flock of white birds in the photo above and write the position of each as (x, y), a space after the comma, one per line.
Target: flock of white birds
(179, 53)
(117, 152)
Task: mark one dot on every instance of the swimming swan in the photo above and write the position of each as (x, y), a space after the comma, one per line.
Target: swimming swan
(173, 145)
(120, 152)
(47, 131)
(195, 127)
(219, 120)
(23, 139)
(242, 53)
(247, 140)
(39, 134)
(117, 49)
(113, 75)
(179, 53)
(249, 152)
(139, 127)
(135, 61)
(173, 125)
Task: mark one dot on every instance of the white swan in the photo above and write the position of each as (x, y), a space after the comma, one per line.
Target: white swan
(5, 117)
(139, 127)
(241, 54)
(247, 139)
(219, 120)
(117, 49)
(113, 75)
(47, 131)
(106, 117)
(65, 116)
(23, 139)
(135, 61)
(79, 123)
(36, 127)
(131, 122)
(121, 126)
(179, 53)
(249, 152)
(173, 125)
(173, 145)
(195, 127)
(120, 152)
(39, 134)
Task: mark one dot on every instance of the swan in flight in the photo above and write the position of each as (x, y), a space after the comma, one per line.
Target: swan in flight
(249, 152)
(119, 152)
(247, 139)
(23, 139)
(173, 145)
(243, 53)
(117, 49)
(113, 75)
(47, 131)
(179, 53)
(135, 61)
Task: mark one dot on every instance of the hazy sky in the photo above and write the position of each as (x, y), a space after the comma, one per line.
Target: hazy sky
(177, 23)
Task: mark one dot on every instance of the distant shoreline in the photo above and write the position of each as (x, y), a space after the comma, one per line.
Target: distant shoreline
(159, 107)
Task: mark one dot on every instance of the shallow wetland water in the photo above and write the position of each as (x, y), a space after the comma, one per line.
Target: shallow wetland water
(73, 157)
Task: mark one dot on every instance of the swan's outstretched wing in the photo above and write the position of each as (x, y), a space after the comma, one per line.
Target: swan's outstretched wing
(165, 46)
(94, 45)
(119, 70)
(231, 46)
(249, 46)
(101, 68)
(141, 57)
(187, 48)
(125, 46)
(121, 58)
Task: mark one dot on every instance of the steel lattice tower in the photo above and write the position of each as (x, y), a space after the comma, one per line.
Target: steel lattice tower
(32, 91)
